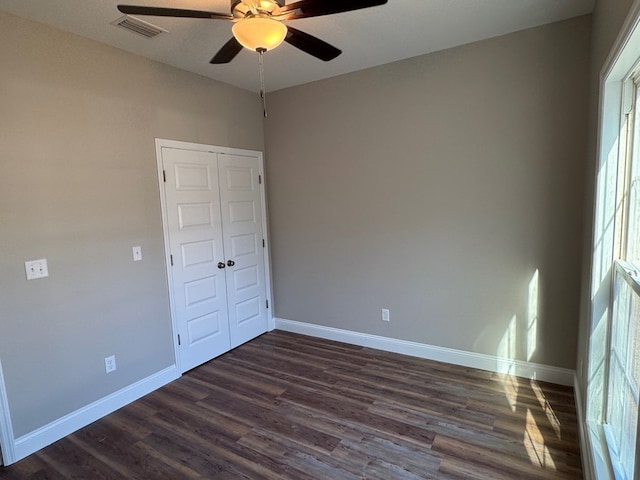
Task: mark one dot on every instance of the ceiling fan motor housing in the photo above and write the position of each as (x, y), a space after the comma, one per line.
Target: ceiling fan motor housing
(240, 9)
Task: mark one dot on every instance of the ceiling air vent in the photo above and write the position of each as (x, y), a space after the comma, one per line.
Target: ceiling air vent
(138, 26)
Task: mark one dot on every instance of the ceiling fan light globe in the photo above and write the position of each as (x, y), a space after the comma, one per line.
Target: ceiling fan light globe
(259, 33)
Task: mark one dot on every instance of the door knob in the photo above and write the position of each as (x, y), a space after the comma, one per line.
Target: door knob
(221, 265)
(231, 263)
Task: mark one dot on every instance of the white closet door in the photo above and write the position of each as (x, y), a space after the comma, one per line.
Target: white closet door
(196, 245)
(241, 207)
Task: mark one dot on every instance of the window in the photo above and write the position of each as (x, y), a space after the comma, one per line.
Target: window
(631, 175)
(613, 391)
(621, 423)
(621, 420)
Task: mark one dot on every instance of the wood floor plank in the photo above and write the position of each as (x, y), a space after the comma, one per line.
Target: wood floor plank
(515, 466)
(290, 407)
(509, 446)
(67, 460)
(358, 413)
(318, 464)
(184, 471)
(413, 459)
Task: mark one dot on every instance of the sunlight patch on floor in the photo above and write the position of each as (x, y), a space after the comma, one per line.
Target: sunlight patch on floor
(511, 387)
(535, 446)
(548, 411)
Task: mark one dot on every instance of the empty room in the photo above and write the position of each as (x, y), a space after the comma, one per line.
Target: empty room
(319, 239)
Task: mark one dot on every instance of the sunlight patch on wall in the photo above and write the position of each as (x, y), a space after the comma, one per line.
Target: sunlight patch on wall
(508, 346)
(532, 315)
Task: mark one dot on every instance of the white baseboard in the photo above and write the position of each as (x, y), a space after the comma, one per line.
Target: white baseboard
(545, 373)
(54, 431)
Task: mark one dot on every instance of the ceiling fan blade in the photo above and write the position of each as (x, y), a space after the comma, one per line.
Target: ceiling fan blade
(317, 8)
(311, 45)
(228, 52)
(171, 12)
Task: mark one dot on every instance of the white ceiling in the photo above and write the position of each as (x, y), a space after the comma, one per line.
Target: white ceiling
(375, 36)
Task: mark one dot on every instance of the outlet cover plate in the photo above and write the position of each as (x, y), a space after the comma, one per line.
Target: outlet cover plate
(110, 364)
(36, 268)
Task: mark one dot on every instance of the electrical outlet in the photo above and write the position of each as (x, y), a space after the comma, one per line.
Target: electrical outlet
(110, 364)
(36, 269)
(385, 315)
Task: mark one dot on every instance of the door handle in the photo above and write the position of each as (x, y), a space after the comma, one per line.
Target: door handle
(230, 263)
(221, 265)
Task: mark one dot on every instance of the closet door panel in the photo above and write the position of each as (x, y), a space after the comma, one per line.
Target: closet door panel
(198, 285)
(241, 209)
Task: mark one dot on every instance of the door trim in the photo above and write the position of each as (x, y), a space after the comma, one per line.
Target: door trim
(165, 143)
(7, 440)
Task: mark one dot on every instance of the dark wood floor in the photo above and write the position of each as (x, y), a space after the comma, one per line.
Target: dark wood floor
(286, 406)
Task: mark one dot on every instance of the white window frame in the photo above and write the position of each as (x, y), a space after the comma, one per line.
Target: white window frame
(626, 274)
(606, 244)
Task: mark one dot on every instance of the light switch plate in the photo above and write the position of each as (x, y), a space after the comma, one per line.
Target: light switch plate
(36, 269)
(137, 253)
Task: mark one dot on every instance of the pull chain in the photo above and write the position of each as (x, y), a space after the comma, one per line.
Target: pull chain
(263, 93)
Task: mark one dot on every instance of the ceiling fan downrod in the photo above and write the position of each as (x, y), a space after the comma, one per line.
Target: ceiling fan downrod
(263, 93)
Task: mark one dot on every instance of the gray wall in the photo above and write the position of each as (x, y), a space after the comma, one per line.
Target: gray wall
(436, 187)
(78, 186)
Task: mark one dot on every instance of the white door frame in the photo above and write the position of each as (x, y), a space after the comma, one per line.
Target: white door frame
(7, 440)
(160, 143)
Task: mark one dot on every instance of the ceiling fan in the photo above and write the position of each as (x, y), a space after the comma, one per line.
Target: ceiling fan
(259, 24)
